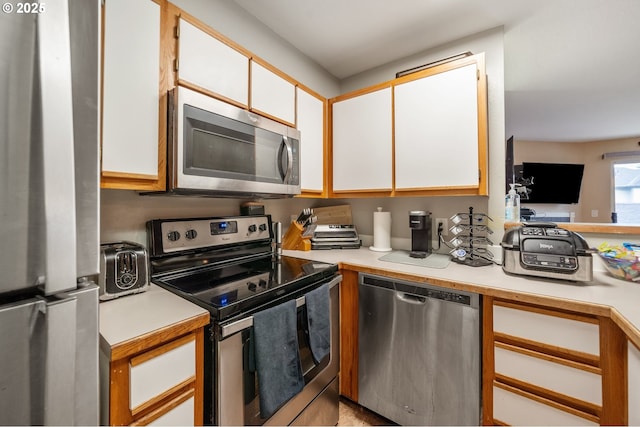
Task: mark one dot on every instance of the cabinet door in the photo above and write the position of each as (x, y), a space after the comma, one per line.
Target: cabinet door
(362, 142)
(131, 89)
(633, 360)
(272, 95)
(436, 131)
(310, 123)
(520, 409)
(212, 65)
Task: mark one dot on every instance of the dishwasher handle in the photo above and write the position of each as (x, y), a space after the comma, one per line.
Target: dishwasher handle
(410, 298)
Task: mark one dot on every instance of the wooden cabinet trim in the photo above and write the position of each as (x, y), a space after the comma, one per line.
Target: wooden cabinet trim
(119, 413)
(577, 359)
(151, 354)
(556, 400)
(349, 335)
(213, 33)
(174, 403)
(442, 68)
(565, 314)
(272, 117)
(274, 70)
(613, 350)
(360, 92)
(157, 337)
(159, 400)
(488, 365)
(209, 93)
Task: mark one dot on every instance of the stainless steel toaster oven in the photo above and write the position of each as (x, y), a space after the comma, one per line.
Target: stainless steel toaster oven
(545, 250)
(123, 270)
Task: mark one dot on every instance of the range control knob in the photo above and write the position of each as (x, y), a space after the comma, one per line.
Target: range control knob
(262, 227)
(191, 234)
(173, 236)
(252, 228)
(262, 283)
(251, 286)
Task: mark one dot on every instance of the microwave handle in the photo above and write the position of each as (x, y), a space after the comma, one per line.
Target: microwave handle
(289, 151)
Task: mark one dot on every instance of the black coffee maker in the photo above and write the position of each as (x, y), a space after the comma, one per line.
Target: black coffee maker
(420, 225)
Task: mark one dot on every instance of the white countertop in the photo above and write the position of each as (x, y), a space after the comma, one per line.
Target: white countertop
(602, 293)
(132, 316)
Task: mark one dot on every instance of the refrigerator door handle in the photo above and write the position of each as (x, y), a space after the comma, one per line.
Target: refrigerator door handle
(60, 361)
(54, 61)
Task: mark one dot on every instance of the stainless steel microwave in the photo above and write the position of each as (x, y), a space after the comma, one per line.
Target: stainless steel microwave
(219, 149)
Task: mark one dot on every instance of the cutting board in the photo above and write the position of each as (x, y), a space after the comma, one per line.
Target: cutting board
(339, 215)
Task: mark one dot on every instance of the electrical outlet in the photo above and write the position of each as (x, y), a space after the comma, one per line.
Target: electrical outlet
(445, 226)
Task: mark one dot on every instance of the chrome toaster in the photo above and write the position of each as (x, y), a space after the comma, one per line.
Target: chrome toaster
(544, 250)
(123, 270)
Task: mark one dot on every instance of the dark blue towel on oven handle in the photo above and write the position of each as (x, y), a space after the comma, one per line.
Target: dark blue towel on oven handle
(277, 359)
(319, 322)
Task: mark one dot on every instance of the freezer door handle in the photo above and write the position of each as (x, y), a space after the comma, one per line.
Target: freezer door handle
(60, 365)
(56, 116)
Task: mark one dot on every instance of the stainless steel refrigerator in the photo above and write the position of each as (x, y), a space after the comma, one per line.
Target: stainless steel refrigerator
(49, 212)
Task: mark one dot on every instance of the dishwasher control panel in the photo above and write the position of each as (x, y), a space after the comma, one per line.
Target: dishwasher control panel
(419, 289)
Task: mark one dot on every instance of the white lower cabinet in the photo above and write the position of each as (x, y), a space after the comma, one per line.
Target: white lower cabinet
(153, 374)
(547, 329)
(547, 367)
(515, 409)
(180, 415)
(578, 383)
(633, 366)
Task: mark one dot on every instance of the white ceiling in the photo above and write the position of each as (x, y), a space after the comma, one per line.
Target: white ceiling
(572, 67)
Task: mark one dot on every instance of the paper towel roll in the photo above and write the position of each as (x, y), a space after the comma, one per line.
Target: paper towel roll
(381, 231)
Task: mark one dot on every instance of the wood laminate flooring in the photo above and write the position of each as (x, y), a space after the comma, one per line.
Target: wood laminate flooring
(352, 414)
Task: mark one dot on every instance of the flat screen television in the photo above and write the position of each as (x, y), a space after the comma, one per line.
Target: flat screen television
(557, 183)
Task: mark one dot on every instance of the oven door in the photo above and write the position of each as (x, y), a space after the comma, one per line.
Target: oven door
(238, 399)
(222, 148)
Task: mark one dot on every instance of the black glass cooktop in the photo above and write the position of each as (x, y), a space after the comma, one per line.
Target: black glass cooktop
(234, 288)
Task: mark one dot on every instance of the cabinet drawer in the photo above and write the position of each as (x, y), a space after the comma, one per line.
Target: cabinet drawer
(515, 409)
(157, 371)
(181, 415)
(553, 376)
(556, 331)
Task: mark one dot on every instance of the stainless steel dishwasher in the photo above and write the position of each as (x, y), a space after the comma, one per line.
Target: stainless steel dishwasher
(419, 352)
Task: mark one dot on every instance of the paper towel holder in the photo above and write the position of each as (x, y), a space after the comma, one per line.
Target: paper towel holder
(381, 225)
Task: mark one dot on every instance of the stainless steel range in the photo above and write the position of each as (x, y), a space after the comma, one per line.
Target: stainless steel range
(228, 266)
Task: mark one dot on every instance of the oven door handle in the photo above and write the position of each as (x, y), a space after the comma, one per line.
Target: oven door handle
(247, 322)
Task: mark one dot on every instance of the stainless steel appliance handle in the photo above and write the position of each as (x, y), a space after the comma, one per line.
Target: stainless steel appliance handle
(56, 115)
(411, 299)
(60, 362)
(247, 322)
(287, 145)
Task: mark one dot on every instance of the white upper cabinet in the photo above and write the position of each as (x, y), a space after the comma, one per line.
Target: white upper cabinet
(210, 64)
(131, 72)
(362, 142)
(436, 131)
(310, 123)
(272, 95)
